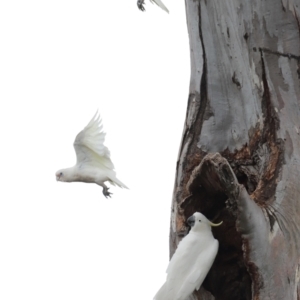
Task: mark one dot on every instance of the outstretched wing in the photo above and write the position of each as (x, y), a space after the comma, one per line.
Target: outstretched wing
(160, 4)
(89, 145)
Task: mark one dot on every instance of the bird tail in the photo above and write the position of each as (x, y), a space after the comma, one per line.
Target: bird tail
(115, 181)
(160, 4)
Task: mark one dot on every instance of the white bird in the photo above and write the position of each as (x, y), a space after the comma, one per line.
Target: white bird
(141, 3)
(192, 260)
(93, 159)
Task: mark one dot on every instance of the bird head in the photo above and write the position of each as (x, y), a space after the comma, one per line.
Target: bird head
(59, 175)
(199, 222)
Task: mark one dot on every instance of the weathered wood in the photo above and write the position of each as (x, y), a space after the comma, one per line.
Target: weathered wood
(244, 103)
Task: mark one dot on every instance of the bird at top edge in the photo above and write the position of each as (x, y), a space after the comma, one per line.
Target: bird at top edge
(141, 3)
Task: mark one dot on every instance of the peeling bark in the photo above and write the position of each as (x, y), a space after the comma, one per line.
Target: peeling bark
(239, 159)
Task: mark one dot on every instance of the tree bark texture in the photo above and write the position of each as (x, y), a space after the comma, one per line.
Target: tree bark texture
(239, 159)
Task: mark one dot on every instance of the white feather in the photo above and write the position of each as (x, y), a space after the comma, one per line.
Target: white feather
(93, 158)
(89, 145)
(160, 4)
(191, 262)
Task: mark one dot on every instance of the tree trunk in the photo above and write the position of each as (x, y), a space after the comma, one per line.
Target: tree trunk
(239, 159)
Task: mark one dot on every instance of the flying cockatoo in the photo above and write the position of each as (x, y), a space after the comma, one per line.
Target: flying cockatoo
(141, 3)
(93, 159)
(192, 260)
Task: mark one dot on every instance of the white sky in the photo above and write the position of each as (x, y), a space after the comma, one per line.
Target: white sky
(60, 61)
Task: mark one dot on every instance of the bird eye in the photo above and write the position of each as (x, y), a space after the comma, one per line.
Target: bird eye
(60, 173)
(199, 220)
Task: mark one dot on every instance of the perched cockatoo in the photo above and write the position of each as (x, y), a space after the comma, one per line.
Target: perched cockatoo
(192, 260)
(93, 159)
(141, 3)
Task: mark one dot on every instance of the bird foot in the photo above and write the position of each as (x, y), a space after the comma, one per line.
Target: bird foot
(140, 5)
(106, 193)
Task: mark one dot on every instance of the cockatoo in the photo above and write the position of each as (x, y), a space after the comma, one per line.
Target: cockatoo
(141, 3)
(192, 260)
(93, 159)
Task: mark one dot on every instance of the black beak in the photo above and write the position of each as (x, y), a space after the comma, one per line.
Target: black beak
(191, 221)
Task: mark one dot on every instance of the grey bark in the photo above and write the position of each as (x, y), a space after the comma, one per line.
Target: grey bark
(239, 159)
